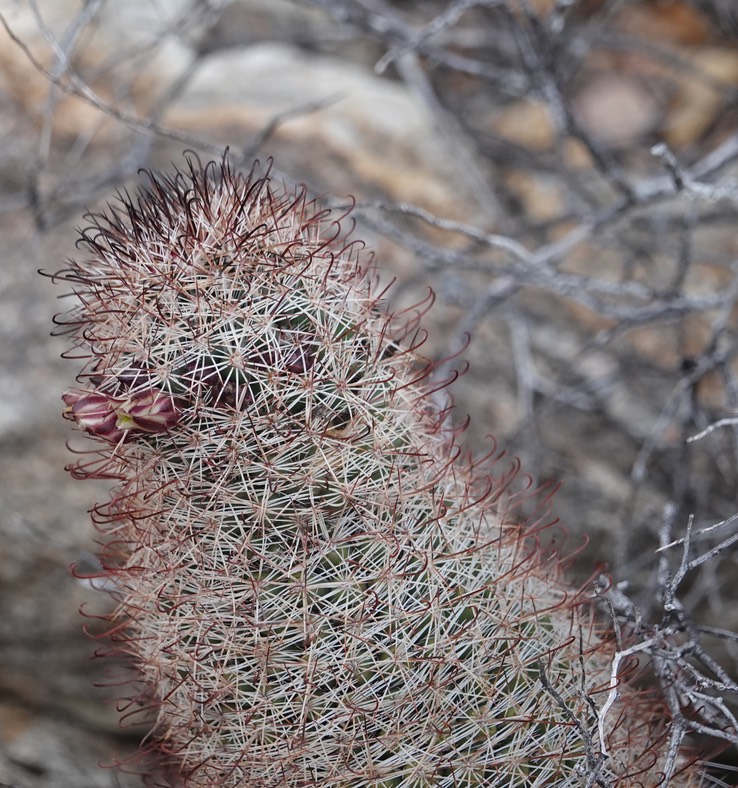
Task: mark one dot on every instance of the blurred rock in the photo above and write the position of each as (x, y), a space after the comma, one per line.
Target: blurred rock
(701, 95)
(668, 21)
(617, 110)
(344, 119)
(527, 122)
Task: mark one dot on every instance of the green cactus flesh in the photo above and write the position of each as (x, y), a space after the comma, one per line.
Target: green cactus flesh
(314, 588)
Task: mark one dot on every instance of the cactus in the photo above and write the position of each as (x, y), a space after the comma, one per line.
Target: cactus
(315, 588)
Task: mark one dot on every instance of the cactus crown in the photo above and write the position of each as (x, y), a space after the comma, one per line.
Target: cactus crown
(314, 589)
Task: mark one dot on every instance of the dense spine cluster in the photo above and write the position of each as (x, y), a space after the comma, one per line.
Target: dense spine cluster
(313, 587)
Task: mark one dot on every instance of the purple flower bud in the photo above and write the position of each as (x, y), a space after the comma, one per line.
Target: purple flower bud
(113, 418)
(300, 359)
(94, 412)
(149, 411)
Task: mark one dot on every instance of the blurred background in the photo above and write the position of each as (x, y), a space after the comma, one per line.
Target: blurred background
(562, 173)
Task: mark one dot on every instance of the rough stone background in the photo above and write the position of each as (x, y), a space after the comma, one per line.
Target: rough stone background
(600, 402)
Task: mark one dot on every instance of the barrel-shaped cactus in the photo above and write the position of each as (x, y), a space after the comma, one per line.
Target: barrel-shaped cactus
(314, 588)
